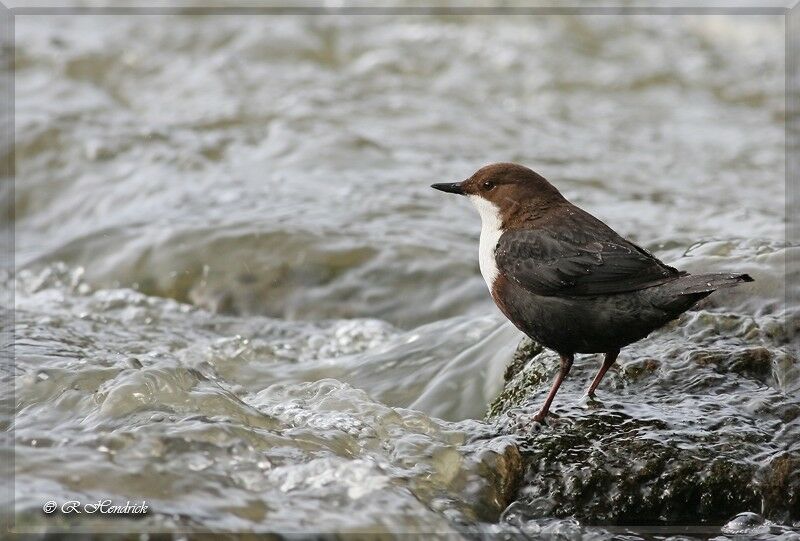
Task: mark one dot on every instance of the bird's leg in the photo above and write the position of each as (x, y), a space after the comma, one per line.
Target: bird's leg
(609, 360)
(566, 364)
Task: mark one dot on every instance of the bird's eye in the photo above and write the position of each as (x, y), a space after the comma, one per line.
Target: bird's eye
(488, 185)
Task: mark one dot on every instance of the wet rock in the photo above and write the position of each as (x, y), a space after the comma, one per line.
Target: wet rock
(600, 469)
(641, 368)
(754, 526)
(743, 523)
(519, 377)
(779, 484)
(501, 469)
(694, 437)
(133, 362)
(755, 361)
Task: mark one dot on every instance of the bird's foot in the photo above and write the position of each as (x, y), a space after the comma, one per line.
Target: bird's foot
(526, 423)
(590, 401)
(538, 420)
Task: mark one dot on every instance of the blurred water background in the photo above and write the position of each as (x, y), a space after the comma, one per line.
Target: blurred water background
(237, 298)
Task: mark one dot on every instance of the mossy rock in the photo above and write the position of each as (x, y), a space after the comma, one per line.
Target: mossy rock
(631, 460)
(520, 376)
(779, 484)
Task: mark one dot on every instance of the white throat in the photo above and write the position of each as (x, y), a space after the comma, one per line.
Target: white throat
(490, 234)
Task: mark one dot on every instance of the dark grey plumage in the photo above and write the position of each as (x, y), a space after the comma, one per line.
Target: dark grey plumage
(576, 286)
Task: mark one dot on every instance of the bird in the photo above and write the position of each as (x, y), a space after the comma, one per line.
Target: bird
(565, 278)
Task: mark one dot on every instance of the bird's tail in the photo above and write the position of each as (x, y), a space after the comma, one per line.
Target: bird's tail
(706, 283)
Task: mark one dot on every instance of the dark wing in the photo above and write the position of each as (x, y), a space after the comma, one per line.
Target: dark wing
(561, 261)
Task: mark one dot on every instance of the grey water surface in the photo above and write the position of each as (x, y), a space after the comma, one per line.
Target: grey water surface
(237, 298)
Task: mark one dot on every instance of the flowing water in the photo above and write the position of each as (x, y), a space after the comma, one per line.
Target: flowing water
(238, 299)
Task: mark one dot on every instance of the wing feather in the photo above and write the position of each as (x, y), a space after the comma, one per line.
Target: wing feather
(575, 262)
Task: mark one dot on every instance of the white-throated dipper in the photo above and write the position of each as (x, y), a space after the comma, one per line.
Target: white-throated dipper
(565, 278)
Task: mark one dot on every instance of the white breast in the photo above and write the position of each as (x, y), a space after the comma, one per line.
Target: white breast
(490, 235)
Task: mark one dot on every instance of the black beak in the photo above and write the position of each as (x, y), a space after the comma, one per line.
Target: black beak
(449, 187)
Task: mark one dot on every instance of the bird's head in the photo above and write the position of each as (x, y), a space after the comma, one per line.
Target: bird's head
(501, 190)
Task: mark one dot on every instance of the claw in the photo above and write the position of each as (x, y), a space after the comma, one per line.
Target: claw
(590, 401)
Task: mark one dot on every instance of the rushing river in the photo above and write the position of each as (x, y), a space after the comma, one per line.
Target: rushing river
(238, 299)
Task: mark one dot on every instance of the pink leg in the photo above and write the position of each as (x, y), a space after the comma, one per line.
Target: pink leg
(566, 364)
(609, 360)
